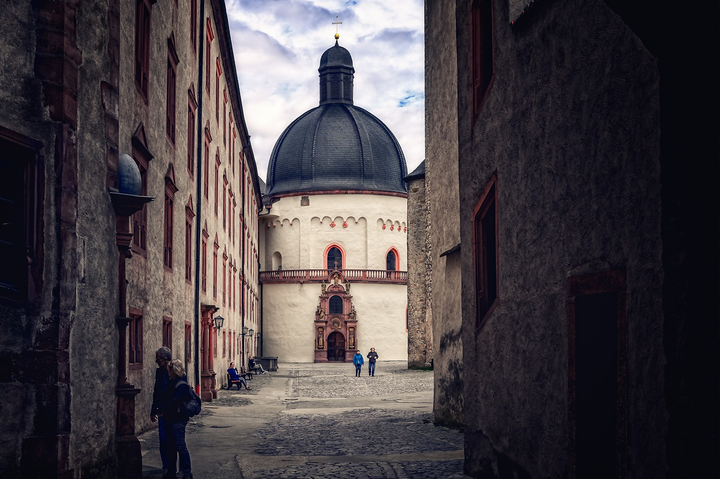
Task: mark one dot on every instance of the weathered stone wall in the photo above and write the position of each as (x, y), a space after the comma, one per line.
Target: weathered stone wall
(441, 153)
(59, 348)
(420, 343)
(571, 127)
(94, 336)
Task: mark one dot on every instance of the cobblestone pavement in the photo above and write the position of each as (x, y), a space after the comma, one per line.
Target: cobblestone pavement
(320, 421)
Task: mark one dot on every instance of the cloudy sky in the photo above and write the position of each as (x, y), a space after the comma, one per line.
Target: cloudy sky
(278, 44)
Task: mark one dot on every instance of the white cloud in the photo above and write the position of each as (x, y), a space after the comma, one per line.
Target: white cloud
(278, 44)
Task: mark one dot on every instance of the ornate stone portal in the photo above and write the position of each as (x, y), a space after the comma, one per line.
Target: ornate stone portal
(335, 321)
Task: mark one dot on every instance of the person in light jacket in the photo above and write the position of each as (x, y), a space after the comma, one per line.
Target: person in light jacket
(358, 361)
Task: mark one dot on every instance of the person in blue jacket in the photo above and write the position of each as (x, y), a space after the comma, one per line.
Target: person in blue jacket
(358, 361)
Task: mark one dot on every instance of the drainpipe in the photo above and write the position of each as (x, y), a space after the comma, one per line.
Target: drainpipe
(198, 192)
(242, 254)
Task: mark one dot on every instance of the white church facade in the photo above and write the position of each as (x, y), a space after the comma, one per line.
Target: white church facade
(333, 235)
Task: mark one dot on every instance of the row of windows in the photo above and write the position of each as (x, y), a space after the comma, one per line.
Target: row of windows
(230, 341)
(335, 260)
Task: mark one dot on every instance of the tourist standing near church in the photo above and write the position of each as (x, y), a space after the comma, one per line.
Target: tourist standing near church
(358, 361)
(372, 357)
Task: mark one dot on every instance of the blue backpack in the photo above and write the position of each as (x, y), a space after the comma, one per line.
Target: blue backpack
(192, 406)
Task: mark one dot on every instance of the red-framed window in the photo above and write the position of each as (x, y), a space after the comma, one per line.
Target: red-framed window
(189, 215)
(142, 46)
(135, 337)
(483, 61)
(392, 260)
(334, 257)
(215, 343)
(142, 157)
(224, 205)
(193, 24)
(485, 252)
(217, 180)
(206, 165)
(170, 190)
(218, 72)
(170, 111)
(21, 218)
(208, 41)
(215, 266)
(224, 351)
(203, 259)
(224, 276)
(167, 331)
(224, 115)
(192, 108)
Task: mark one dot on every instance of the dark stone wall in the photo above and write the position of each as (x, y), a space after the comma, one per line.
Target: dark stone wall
(441, 153)
(58, 416)
(571, 127)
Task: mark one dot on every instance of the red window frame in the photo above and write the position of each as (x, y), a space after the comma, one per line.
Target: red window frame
(215, 267)
(142, 46)
(486, 252)
(203, 259)
(483, 56)
(217, 180)
(21, 230)
(206, 169)
(170, 108)
(189, 215)
(170, 190)
(193, 24)
(208, 41)
(135, 337)
(192, 108)
(140, 219)
(167, 331)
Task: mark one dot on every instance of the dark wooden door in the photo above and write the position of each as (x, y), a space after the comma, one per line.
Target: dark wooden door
(336, 347)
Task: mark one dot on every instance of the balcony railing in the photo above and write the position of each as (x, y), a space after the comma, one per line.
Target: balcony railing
(320, 275)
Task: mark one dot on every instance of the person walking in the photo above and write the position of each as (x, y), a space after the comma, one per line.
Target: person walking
(160, 400)
(176, 419)
(372, 357)
(358, 361)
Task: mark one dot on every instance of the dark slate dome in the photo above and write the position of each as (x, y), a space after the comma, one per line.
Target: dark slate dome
(337, 145)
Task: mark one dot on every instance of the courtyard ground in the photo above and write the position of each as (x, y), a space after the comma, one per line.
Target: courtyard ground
(320, 421)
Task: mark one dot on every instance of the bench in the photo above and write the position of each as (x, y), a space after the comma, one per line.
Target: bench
(237, 382)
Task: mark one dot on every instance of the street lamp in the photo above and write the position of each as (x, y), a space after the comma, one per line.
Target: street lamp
(218, 322)
(251, 332)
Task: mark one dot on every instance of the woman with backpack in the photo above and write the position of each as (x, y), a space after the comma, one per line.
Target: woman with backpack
(176, 415)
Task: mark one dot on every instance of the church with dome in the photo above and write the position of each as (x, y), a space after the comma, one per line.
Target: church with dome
(333, 234)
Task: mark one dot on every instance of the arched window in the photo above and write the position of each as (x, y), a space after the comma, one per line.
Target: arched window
(336, 305)
(391, 260)
(334, 258)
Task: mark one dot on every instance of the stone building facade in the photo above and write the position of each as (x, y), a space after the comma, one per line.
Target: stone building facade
(92, 90)
(589, 337)
(420, 342)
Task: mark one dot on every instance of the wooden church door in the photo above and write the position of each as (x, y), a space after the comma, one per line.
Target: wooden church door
(336, 347)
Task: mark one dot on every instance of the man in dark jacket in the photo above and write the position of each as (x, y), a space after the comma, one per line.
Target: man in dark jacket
(161, 398)
(372, 357)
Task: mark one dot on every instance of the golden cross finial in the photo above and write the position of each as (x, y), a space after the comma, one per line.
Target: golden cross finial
(336, 23)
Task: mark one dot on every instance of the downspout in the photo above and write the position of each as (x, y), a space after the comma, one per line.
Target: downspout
(198, 193)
